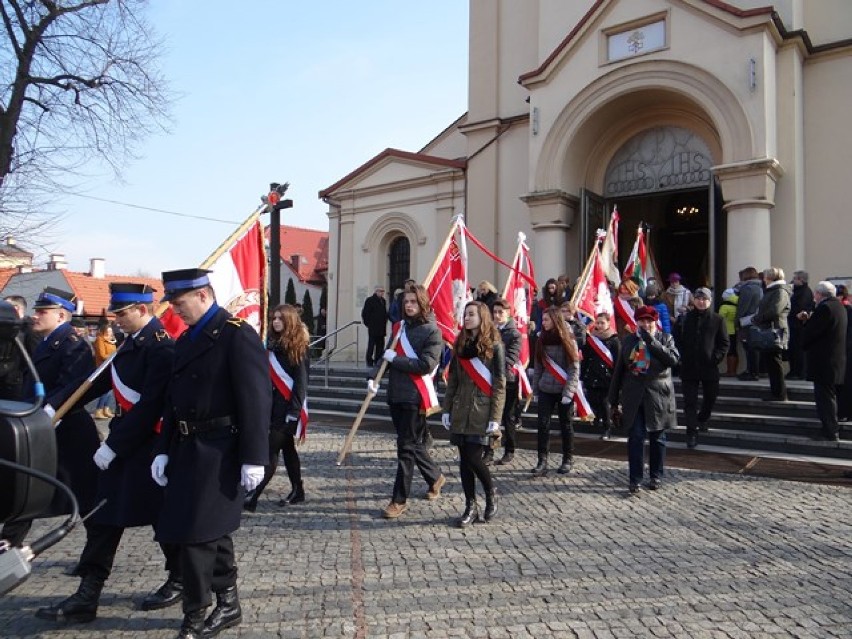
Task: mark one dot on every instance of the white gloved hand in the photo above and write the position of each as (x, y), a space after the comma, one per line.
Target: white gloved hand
(389, 356)
(566, 400)
(445, 421)
(50, 410)
(493, 427)
(158, 469)
(372, 387)
(104, 456)
(251, 476)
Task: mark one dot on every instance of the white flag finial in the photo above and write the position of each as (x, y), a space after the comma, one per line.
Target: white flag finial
(522, 237)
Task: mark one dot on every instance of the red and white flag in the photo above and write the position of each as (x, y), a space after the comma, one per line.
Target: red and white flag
(609, 249)
(238, 278)
(592, 295)
(641, 264)
(518, 293)
(447, 289)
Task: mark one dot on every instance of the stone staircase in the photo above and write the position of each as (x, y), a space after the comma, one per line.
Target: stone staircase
(741, 423)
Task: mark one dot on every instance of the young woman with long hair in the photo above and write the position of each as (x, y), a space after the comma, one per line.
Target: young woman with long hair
(473, 404)
(288, 349)
(557, 371)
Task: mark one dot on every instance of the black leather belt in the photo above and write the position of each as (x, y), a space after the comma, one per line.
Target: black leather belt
(187, 428)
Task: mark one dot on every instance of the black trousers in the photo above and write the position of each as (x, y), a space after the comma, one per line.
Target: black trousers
(375, 348)
(825, 396)
(709, 393)
(599, 401)
(509, 419)
(777, 385)
(795, 354)
(546, 402)
(102, 541)
(282, 442)
(205, 567)
(410, 428)
(471, 466)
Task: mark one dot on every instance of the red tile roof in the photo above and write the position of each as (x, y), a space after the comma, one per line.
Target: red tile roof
(5, 274)
(311, 245)
(94, 291)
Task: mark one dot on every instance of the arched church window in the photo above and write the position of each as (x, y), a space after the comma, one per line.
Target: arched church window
(399, 263)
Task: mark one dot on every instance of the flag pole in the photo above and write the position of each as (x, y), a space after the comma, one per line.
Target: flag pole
(229, 241)
(347, 443)
(581, 282)
(521, 238)
(68, 404)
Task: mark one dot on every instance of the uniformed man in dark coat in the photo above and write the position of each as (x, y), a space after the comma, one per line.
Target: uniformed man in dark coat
(214, 440)
(824, 343)
(63, 361)
(138, 376)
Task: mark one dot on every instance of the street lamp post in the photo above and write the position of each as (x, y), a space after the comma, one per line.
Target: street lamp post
(275, 202)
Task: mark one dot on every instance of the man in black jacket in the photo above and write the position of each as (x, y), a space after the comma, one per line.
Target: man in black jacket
(375, 318)
(802, 299)
(824, 342)
(703, 339)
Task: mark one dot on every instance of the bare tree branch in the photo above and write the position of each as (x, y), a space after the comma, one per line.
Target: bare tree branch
(79, 82)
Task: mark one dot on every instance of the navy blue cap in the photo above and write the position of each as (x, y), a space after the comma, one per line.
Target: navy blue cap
(56, 298)
(179, 282)
(126, 294)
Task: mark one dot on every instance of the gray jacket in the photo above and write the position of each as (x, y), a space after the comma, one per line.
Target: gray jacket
(544, 382)
(773, 311)
(749, 298)
(654, 391)
(511, 337)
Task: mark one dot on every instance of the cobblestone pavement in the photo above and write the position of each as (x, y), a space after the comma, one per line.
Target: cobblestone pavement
(709, 555)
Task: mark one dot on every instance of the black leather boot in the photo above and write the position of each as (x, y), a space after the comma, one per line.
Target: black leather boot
(565, 467)
(81, 607)
(166, 595)
(250, 502)
(226, 614)
(541, 468)
(296, 496)
(470, 514)
(192, 626)
(490, 506)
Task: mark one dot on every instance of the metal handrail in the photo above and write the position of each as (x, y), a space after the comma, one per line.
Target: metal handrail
(335, 349)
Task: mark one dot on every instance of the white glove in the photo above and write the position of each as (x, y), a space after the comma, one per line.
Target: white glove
(158, 469)
(445, 421)
(50, 410)
(493, 427)
(251, 476)
(566, 400)
(104, 456)
(372, 387)
(389, 356)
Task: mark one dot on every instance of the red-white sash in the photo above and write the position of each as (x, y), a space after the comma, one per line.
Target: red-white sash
(601, 350)
(625, 312)
(524, 384)
(425, 383)
(584, 409)
(126, 397)
(478, 372)
(284, 384)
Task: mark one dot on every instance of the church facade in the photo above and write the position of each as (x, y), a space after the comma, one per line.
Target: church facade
(720, 126)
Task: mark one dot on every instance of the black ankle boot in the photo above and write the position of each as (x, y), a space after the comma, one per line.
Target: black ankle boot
(470, 514)
(250, 502)
(566, 465)
(192, 626)
(490, 506)
(81, 607)
(541, 468)
(296, 496)
(166, 595)
(226, 614)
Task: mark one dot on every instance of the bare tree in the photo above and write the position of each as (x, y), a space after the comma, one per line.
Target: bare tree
(79, 82)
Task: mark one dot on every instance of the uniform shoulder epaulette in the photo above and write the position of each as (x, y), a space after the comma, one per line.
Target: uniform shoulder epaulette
(73, 337)
(161, 335)
(236, 321)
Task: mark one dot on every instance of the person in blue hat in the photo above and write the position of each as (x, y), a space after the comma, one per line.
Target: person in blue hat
(63, 361)
(213, 446)
(137, 376)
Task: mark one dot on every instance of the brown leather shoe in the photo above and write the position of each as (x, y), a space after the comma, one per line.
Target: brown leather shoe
(435, 492)
(394, 510)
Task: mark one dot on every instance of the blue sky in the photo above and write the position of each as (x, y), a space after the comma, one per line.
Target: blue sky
(269, 91)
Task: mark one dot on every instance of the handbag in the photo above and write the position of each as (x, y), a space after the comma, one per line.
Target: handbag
(762, 339)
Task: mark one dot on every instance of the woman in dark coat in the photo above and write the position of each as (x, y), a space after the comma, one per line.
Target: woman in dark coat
(473, 404)
(642, 391)
(288, 347)
(600, 353)
(772, 313)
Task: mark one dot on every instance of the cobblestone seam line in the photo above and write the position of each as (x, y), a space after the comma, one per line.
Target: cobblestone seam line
(356, 560)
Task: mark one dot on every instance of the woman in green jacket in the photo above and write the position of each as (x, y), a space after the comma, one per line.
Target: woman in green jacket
(473, 404)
